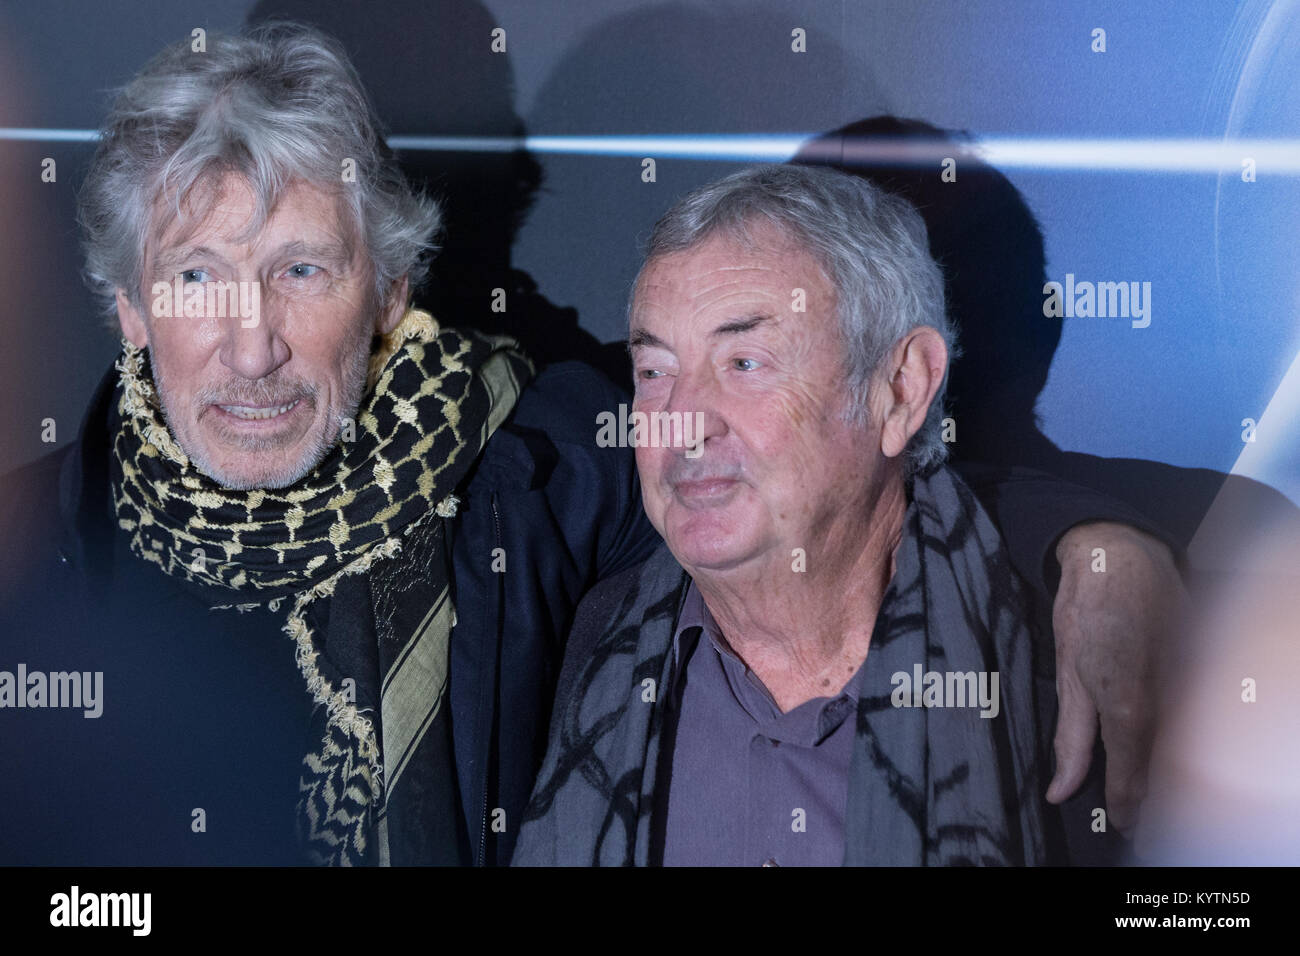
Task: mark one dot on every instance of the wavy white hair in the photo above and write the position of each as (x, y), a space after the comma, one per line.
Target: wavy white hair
(278, 104)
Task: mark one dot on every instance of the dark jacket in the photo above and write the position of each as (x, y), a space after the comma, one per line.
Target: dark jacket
(195, 758)
(565, 512)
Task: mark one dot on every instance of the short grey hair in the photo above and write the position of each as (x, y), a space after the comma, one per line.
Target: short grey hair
(279, 104)
(871, 244)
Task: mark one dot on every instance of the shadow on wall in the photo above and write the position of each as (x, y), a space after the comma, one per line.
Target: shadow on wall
(677, 70)
(436, 75)
(671, 68)
(991, 249)
(713, 68)
(680, 69)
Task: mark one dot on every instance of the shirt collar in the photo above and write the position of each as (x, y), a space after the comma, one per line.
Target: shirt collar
(695, 614)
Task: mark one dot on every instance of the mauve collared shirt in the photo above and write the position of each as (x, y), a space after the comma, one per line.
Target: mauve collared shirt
(749, 785)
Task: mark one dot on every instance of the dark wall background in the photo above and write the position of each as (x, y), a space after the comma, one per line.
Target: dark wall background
(561, 232)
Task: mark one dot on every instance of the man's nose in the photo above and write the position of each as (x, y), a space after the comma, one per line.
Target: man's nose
(697, 395)
(252, 346)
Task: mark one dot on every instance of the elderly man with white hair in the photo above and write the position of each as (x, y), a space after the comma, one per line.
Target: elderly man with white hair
(300, 589)
(313, 552)
(833, 659)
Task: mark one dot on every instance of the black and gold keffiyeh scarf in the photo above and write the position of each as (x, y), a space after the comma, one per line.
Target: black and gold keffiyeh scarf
(356, 554)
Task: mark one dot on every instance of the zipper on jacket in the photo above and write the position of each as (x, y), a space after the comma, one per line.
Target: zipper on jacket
(482, 839)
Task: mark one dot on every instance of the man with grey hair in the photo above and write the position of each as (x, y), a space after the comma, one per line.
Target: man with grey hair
(309, 561)
(313, 557)
(833, 659)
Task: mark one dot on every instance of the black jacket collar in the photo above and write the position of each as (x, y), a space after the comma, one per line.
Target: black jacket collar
(85, 508)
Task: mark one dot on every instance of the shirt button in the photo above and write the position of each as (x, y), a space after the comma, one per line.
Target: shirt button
(770, 862)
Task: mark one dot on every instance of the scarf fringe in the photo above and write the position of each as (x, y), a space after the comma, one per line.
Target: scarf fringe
(340, 711)
(139, 400)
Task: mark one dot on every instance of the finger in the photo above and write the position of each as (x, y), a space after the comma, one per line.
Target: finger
(1076, 733)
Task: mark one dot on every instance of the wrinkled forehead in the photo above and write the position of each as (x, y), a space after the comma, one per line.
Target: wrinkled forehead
(770, 264)
(227, 208)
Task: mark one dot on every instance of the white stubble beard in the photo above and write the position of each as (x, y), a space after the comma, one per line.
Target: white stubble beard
(320, 444)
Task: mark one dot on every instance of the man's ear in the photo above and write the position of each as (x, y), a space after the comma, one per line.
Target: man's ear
(915, 368)
(391, 312)
(132, 323)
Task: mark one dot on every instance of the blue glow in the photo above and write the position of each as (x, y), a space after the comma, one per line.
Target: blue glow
(1208, 156)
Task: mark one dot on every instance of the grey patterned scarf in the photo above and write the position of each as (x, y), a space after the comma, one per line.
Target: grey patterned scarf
(928, 785)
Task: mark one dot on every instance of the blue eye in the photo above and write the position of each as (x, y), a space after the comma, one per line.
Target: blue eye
(194, 275)
(301, 270)
(649, 373)
(745, 364)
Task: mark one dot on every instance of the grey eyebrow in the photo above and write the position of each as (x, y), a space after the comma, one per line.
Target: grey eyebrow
(328, 251)
(297, 249)
(737, 326)
(167, 262)
(640, 338)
